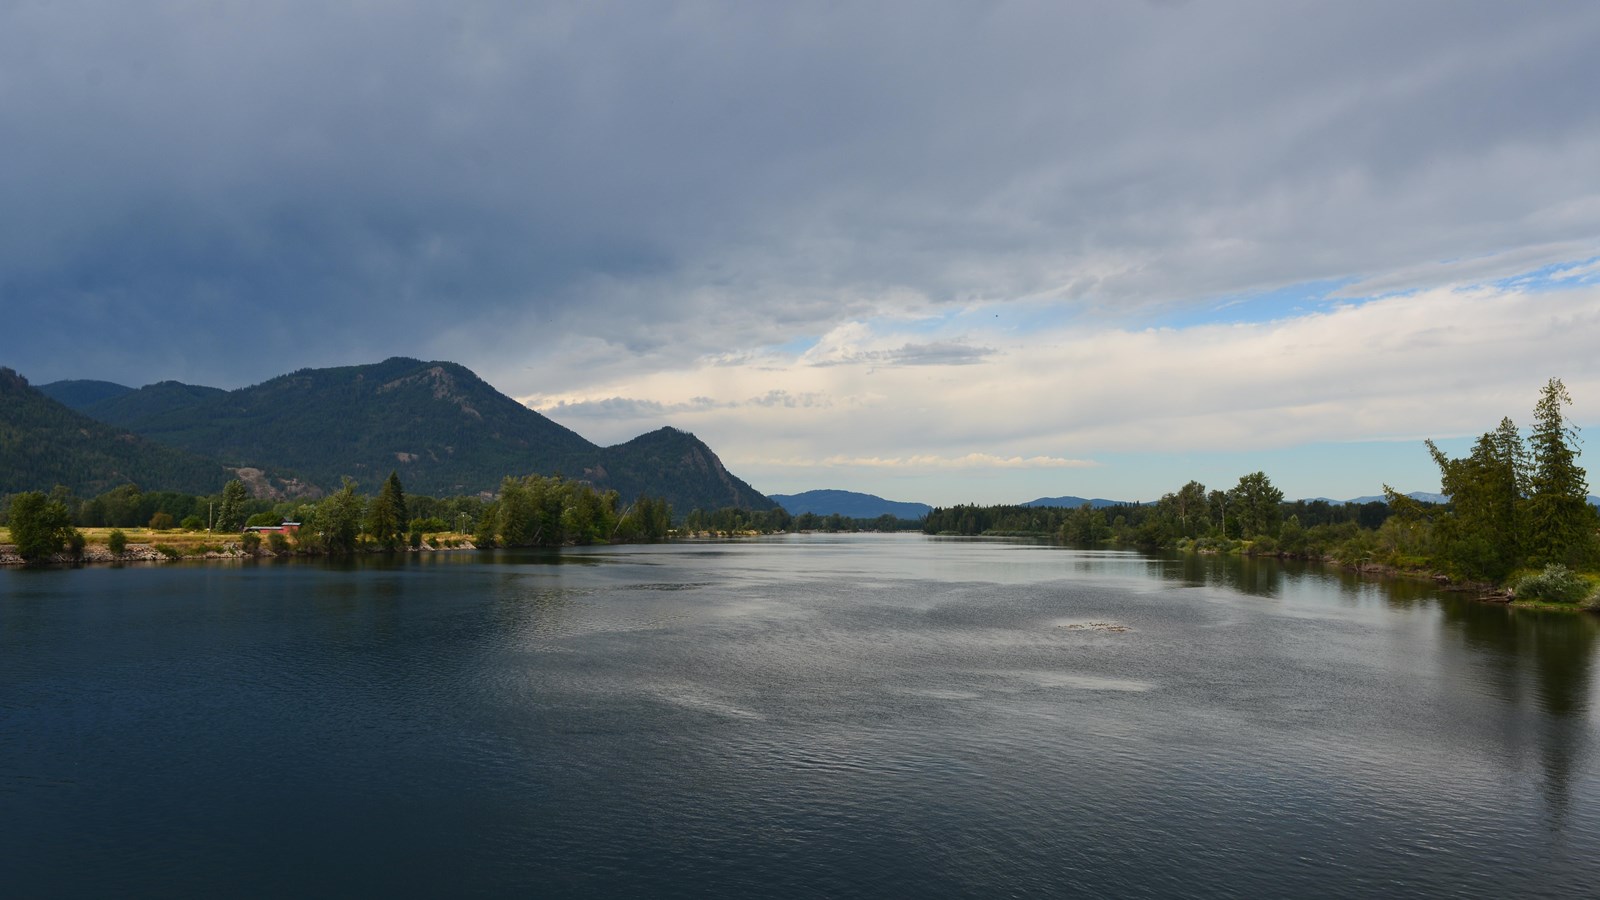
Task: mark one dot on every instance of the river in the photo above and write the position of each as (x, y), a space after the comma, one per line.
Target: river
(806, 716)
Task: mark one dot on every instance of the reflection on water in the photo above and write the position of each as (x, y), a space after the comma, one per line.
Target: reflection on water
(1538, 664)
(1245, 574)
(805, 716)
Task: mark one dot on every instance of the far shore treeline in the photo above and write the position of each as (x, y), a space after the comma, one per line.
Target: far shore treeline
(529, 511)
(1518, 514)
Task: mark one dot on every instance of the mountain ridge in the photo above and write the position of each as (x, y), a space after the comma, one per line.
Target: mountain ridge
(78, 393)
(1075, 502)
(438, 424)
(150, 400)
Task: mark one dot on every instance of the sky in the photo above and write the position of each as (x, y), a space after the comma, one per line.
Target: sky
(954, 252)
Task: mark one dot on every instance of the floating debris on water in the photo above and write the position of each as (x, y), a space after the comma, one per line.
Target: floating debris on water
(1096, 626)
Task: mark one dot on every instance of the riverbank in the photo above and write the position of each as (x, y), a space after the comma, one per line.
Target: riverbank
(197, 550)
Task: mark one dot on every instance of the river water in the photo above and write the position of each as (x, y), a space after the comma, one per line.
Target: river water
(809, 716)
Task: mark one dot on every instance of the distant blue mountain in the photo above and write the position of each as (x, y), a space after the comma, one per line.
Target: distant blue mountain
(1075, 502)
(1420, 496)
(1424, 497)
(849, 504)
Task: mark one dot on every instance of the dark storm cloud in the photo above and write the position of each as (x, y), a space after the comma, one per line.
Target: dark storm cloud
(222, 192)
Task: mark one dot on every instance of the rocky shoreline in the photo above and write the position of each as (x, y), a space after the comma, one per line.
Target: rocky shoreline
(137, 553)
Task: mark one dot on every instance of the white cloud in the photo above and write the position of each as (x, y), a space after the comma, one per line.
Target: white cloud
(632, 409)
(1472, 270)
(1439, 363)
(929, 462)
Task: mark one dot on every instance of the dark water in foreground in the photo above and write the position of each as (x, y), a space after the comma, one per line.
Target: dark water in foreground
(859, 716)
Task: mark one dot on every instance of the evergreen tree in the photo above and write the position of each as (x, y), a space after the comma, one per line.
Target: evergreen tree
(1560, 523)
(386, 514)
(397, 495)
(1512, 473)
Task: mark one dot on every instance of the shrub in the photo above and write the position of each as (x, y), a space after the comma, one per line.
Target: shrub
(250, 541)
(167, 550)
(1556, 584)
(75, 543)
(160, 521)
(193, 523)
(416, 540)
(1263, 545)
(277, 542)
(117, 542)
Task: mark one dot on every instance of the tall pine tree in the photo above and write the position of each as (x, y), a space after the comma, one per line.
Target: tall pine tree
(1560, 523)
(386, 514)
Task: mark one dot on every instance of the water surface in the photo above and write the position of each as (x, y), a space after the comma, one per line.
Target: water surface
(807, 716)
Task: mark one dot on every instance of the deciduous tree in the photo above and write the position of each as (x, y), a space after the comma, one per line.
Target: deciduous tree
(1478, 535)
(230, 512)
(40, 526)
(338, 519)
(1256, 504)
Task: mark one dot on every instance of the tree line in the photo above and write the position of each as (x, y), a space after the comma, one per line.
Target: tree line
(1513, 505)
(540, 511)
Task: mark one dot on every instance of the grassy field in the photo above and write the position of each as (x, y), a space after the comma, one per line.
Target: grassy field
(172, 536)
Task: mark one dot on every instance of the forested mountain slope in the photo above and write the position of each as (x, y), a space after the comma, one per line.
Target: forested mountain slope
(676, 465)
(440, 426)
(43, 443)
